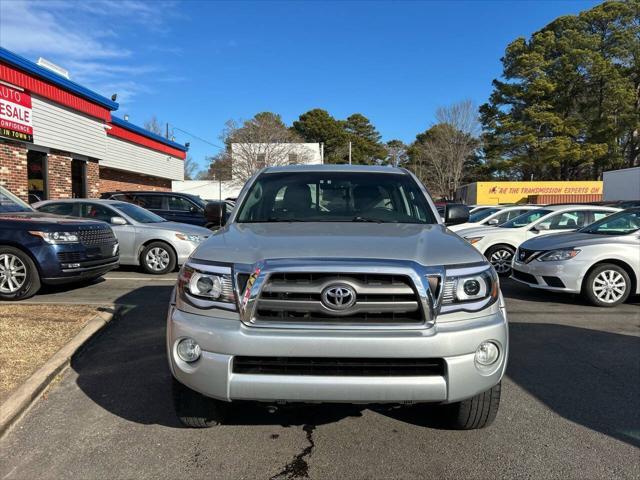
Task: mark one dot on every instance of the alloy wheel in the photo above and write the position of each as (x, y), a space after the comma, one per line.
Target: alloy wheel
(157, 259)
(501, 260)
(609, 286)
(13, 273)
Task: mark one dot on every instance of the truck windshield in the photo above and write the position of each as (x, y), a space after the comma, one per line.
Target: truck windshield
(9, 203)
(526, 218)
(335, 197)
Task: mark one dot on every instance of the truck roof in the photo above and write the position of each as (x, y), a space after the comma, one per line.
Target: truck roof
(335, 168)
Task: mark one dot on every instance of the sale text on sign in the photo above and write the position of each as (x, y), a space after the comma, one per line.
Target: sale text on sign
(15, 114)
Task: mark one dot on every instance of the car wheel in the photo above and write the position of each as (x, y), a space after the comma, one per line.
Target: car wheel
(607, 285)
(476, 412)
(158, 258)
(194, 410)
(19, 277)
(500, 257)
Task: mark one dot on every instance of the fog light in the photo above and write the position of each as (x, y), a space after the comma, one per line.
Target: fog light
(188, 350)
(487, 353)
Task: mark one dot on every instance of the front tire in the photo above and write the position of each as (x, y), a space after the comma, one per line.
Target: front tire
(19, 277)
(158, 258)
(500, 257)
(194, 410)
(607, 285)
(476, 412)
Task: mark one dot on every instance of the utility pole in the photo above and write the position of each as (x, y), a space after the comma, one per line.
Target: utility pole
(349, 152)
(166, 132)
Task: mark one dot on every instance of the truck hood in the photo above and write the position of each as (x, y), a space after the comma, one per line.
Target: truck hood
(44, 219)
(572, 239)
(429, 245)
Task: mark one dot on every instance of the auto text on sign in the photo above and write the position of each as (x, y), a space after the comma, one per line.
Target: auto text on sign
(15, 114)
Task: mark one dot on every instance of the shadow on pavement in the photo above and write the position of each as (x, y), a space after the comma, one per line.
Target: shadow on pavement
(587, 376)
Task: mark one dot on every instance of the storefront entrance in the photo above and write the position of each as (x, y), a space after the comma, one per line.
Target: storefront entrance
(37, 175)
(78, 178)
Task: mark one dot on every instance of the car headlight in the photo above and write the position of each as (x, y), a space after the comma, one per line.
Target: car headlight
(473, 240)
(558, 255)
(205, 286)
(55, 238)
(467, 289)
(191, 238)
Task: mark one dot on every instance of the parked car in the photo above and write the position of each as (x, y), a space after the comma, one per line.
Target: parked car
(337, 283)
(493, 216)
(38, 248)
(499, 243)
(145, 238)
(601, 260)
(176, 207)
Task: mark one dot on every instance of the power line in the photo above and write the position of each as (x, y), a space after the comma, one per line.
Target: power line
(197, 137)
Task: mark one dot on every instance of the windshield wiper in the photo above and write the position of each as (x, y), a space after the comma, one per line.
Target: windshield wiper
(366, 219)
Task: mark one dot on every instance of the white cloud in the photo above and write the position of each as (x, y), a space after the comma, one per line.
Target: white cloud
(85, 37)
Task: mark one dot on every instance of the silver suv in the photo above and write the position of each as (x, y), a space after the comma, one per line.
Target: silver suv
(337, 284)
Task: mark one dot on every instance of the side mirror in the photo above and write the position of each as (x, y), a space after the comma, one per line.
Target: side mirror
(118, 221)
(216, 214)
(493, 221)
(455, 214)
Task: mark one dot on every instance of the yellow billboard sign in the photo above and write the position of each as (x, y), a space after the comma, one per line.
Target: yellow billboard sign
(491, 193)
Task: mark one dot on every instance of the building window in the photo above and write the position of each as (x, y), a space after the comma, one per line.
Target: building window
(37, 175)
(78, 178)
(261, 160)
(293, 159)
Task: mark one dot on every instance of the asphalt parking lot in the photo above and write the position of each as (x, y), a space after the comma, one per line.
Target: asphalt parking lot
(569, 408)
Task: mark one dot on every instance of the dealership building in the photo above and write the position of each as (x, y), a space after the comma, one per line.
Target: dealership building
(59, 139)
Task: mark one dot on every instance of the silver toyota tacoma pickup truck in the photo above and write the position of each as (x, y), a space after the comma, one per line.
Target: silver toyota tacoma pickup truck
(337, 284)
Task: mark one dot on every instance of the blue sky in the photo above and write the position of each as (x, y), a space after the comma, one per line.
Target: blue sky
(197, 64)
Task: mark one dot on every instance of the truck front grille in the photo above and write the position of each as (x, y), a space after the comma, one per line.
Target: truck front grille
(298, 298)
(95, 237)
(344, 367)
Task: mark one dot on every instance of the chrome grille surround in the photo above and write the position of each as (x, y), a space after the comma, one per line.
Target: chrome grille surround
(266, 290)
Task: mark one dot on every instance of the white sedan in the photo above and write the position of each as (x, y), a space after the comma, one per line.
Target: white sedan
(493, 216)
(499, 244)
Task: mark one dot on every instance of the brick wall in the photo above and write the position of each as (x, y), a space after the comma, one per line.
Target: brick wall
(111, 180)
(59, 174)
(13, 168)
(93, 179)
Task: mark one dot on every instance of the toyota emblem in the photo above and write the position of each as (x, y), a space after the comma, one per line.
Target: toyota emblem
(338, 297)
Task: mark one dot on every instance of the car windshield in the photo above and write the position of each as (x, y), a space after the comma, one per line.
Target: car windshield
(480, 215)
(621, 223)
(139, 214)
(9, 203)
(335, 197)
(526, 218)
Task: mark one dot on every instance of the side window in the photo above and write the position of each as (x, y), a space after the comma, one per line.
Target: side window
(514, 213)
(503, 217)
(94, 211)
(57, 208)
(599, 215)
(153, 202)
(179, 204)
(567, 220)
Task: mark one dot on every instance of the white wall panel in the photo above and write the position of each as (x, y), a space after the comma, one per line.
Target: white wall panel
(63, 129)
(124, 155)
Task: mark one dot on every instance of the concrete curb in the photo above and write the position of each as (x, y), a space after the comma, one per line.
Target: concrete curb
(26, 394)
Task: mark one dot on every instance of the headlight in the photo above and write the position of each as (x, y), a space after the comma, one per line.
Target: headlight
(473, 240)
(469, 289)
(56, 238)
(557, 255)
(190, 238)
(205, 286)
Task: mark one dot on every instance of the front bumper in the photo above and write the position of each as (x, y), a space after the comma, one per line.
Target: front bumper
(223, 338)
(570, 272)
(59, 264)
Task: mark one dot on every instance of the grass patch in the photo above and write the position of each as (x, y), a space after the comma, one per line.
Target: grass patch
(31, 334)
